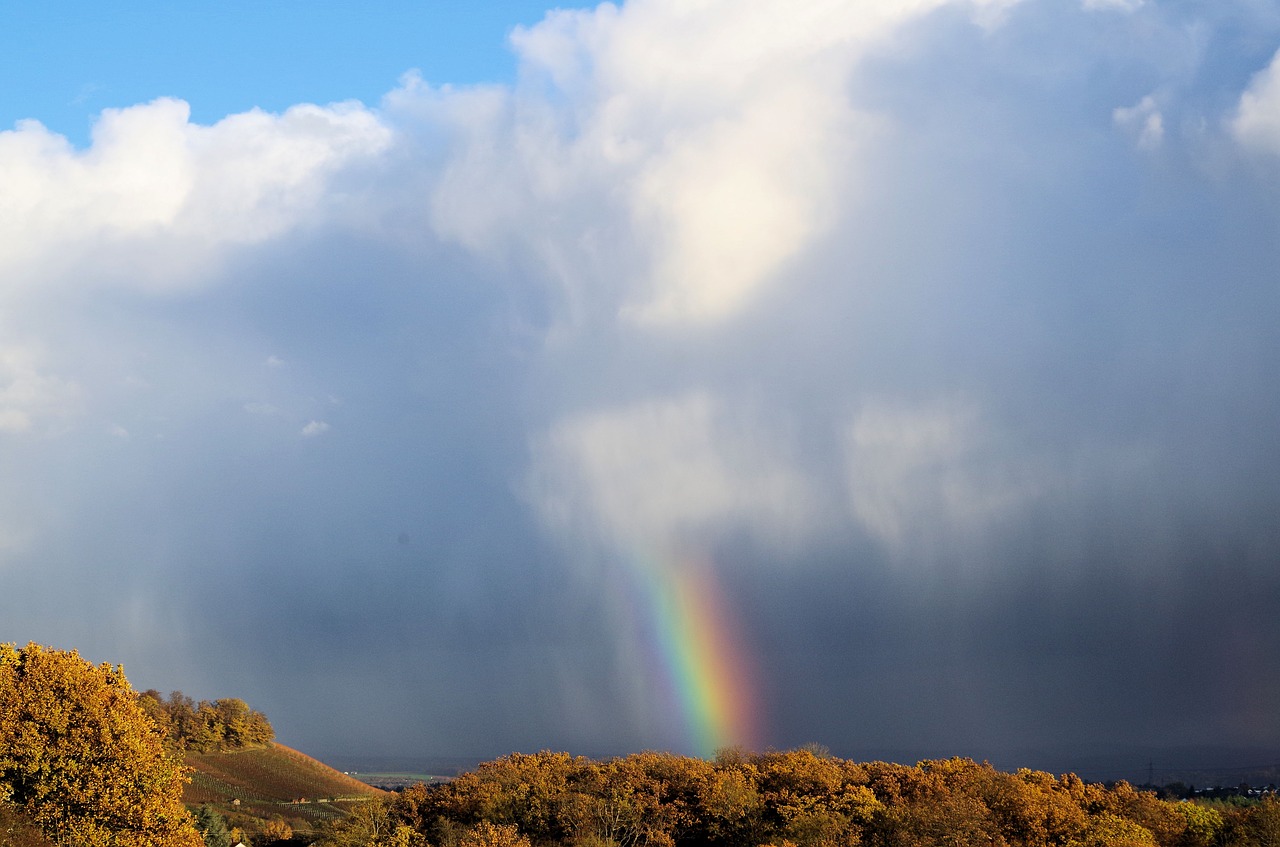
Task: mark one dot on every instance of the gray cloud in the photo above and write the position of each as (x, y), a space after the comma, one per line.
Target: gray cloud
(944, 333)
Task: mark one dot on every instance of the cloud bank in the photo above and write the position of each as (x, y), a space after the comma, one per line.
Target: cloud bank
(942, 329)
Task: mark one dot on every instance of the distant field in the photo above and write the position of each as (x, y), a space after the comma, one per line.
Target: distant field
(396, 779)
(273, 780)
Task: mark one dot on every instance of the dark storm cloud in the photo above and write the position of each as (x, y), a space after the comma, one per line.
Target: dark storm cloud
(947, 334)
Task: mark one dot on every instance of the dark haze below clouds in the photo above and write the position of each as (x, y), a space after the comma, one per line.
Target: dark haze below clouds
(985, 460)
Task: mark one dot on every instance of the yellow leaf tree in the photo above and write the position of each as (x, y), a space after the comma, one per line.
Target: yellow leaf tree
(81, 758)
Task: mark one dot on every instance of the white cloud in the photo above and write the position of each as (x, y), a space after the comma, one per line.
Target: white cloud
(730, 202)
(1143, 121)
(1257, 120)
(314, 428)
(155, 196)
(666, 471)
(1113, 5)
(672, 173)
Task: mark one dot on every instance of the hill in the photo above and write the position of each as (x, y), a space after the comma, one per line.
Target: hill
(263, 782)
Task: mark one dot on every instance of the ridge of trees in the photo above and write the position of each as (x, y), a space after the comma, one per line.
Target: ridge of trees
(798, 798)
(210, 726)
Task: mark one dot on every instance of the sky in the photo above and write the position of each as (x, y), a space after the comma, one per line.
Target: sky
(893, 376)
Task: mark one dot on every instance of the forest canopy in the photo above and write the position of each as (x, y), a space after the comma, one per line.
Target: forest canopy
(798, 798)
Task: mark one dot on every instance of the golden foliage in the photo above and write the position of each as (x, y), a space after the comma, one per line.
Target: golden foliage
(277, 829)
(81, 759)
(485, 834)
(798, 798)
(209, 726)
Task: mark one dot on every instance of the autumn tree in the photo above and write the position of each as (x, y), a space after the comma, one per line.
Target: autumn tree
(80, 758)
(372, 823)
(798, 798)
(229, 724)
(207, 727)
(485, 834)
(1161, 819)
(533, 792)
(1204, 825)
(277, 829)
(1110, 830)
(730, 806)
(153, 704)
(1262, 824)
(812, 799)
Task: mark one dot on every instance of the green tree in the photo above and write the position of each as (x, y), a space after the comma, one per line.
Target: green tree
(212, 827)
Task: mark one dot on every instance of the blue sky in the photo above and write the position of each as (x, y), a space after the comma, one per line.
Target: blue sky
(939, 336)
(64, 62)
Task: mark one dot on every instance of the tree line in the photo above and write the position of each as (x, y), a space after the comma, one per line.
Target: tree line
(86, 762)
(210, 726)
(797, 798)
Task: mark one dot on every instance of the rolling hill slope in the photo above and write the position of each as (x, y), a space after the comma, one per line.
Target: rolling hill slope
(272, 780)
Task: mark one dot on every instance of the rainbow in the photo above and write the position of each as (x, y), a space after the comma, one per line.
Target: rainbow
(698, 654)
